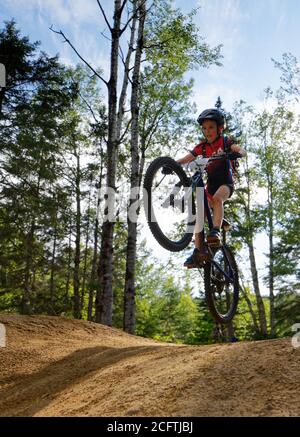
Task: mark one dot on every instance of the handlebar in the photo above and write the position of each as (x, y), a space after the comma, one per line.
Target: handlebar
(234, 155)
(231, 155)
(201, 163)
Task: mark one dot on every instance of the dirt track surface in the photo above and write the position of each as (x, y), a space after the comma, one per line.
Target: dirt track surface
(55, 366)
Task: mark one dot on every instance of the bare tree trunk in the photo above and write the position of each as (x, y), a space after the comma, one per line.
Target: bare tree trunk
(259, 300)
(129, 292)
(93, 278)
(229, 329)
(271, 257)
(92, 284)
(69, 264)
(104, 299)
(76, 280)
(249, 241)
(251, 310)
(126, 73)
(29, 279)
(87, 239)
(52, 265)
(2, 93)
(26, 298)
(217, 333)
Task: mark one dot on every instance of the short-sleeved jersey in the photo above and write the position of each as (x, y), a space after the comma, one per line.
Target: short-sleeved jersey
(218, 172)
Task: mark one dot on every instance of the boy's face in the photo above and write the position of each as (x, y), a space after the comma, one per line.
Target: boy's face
(211, 130)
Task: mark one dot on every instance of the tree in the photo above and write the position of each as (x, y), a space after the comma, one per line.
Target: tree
(87, 128)
(276, 134)
(104, 300)
(244, 211)
(166, 310)
(35, 98)
(290, 75)
(129, 292)
(159, 97)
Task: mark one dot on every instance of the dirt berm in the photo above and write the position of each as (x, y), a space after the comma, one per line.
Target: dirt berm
(54, 366)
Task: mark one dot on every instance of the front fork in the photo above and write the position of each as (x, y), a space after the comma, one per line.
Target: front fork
(228, 275)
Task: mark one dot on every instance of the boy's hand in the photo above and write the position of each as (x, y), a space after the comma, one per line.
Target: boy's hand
(166, 170)
(234, 155)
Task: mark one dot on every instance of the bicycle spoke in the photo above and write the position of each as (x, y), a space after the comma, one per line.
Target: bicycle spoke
(168, 207)
(169, 213)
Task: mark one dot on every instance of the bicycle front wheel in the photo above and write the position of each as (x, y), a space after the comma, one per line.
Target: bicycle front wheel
(221, 283)
(169, 204)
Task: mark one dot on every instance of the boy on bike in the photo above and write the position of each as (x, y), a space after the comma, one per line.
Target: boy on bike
(220, 184)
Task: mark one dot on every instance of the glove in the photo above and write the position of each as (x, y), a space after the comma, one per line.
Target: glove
(192, 166)
(166, 170)
(234, 155)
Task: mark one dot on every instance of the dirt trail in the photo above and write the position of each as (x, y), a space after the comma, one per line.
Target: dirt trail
(55, 366)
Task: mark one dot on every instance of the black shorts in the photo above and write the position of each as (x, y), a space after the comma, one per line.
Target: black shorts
(212, 189)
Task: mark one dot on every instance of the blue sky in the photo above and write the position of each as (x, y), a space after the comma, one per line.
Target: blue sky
(252, 32)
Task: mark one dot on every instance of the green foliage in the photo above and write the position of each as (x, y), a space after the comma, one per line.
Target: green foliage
(172, 47)
(287, 310)
(205, 324)
(166, 310)
(119, 273)
(290, 74)
(42, 127)
(172, 38)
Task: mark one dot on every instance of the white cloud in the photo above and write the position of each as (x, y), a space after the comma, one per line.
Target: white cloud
(206, 95)
(220, 22)
(59, 11)
(79, 20)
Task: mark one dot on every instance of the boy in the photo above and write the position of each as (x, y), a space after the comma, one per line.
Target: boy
(219, 178)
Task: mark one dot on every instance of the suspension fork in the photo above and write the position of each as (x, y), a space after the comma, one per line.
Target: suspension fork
(230, 275)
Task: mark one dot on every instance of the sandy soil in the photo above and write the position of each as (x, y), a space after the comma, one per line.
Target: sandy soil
(55, 366)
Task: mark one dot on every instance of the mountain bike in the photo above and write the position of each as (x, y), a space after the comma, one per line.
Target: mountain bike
(176, 205)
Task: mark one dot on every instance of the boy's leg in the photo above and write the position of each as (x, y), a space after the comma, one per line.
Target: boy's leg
(200, 253)
(199, 240)
(221, 195)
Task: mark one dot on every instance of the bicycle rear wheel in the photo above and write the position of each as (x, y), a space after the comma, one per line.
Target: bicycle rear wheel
(170, 216)
(221, 283)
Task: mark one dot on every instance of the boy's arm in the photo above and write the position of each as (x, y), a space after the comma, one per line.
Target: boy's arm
(186, 159)
(238, 149)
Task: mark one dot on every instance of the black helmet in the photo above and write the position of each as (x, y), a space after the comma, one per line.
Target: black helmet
(212, 114)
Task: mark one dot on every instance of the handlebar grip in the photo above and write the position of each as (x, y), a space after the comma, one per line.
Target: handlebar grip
(192, 165)
(234, 155)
